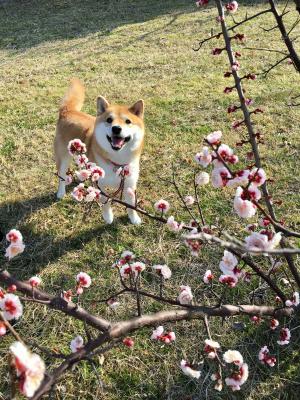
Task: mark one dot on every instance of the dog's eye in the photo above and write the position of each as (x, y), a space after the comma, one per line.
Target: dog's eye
(128, 121)
(109, 120)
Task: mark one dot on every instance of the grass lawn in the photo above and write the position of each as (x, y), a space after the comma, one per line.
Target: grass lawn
(126, 50)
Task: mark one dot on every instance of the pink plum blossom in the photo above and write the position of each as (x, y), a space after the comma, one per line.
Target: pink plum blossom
(79, 192)
(97, 173)
(294, 301)
(76, 344)
(69, 179)
(162, 206)
(113, 303)
(185, 295)
(174, 225)
(200, 3)
(92, 194)
(228, 263)
(237, 379)
(220, 177)
(81, 160)
(240, 178)
(244, 208)
(188, 370)
(128, 342)
(204, 158)
(257, 176)
(232, 7)
(208, 276)
(76, 146)
(83, 280)
(284, 336)
(189, 200)
(125, 270)
(137, 267)
(202, 179)
(30, 368)
(35, 281)
(214, 137)
(158, 334)
(14, 236)
(83, 174)
(2, 329)
(126, 257)
(265, 358)
(11, 306)
(264, 240)
(229, 280)
(67, 295)
(163, 270)
(274, 323)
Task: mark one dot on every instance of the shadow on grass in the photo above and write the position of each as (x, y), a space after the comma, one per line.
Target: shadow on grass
(25, 24)
(44, 248)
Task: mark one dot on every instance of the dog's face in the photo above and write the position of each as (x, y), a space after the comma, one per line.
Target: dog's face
(119, 129)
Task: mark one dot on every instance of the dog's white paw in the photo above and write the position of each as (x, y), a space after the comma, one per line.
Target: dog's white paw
(108, 216)
(135, 219)
(60, 193)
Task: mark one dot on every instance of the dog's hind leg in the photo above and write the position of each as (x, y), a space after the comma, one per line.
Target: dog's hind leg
(63, 160)
(107, 211)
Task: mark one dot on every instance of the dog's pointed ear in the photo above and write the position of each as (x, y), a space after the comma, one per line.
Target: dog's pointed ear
(138, 109)
(102, 105)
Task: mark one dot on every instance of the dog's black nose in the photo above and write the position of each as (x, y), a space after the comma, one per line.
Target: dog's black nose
(116, 130)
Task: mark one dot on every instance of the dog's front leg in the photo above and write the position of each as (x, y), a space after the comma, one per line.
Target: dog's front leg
(107, 211)
(129, 197)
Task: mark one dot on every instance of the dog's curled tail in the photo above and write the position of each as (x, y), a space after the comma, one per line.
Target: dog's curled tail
(73, 99)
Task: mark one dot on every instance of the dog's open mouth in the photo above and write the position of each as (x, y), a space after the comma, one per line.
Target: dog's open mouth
(117, 142)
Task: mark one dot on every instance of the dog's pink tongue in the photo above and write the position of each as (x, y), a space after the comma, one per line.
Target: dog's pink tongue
(117, 142)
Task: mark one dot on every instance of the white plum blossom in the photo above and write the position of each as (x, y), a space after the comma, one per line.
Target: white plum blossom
(76, 344)
(294, 300)
(233, 356)
(137, 267)
(125, 270)
(202, 179)
(79, 192)
(284, 336)
(35, 281)
(265, 358)
(163, 270)
(126, 256)
(264, 240)
(185, 295)
(214, 137)
(162, 206)
(204, 158)
(14, 249)
(30, 368)
(174, 225)
(157, 333)
(243, 207)
(211, 348)
(189, 371)
(83, 280)
(208, 276)
(11, 306)
(76, 146)
(189, 200)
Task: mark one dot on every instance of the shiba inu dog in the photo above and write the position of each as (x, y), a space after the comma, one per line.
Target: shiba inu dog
(114, 139)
